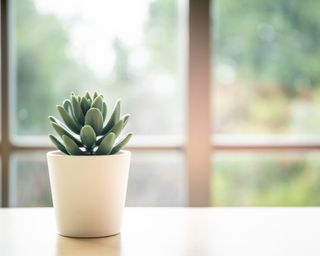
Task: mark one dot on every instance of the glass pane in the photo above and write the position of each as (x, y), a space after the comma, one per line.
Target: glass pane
(266, 67)
(156, 179)
(29, 181)
(123, 49)
(266, 179)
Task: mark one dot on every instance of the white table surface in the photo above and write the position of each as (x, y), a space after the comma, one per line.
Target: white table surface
(171, 231)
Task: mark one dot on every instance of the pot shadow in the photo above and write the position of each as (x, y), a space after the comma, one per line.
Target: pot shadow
(88, 246)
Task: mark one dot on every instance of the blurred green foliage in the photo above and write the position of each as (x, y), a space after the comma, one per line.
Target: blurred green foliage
(43, 70)
(266, 179)
(267, 81)
(266, 66)
(273, 41)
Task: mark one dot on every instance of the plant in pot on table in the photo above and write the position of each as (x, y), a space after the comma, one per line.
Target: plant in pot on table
(89, 172)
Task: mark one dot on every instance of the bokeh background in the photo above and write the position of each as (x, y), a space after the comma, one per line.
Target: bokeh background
(265, 91)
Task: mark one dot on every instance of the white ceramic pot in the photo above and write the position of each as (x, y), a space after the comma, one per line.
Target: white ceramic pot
(88, 192)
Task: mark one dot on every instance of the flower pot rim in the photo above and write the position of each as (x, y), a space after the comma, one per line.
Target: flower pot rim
(57, 153)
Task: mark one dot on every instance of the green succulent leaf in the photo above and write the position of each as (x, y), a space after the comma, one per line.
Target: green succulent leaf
(85, 105)
(67, 105)
(117, 128)
(120, 144)
(75, 127)
(88, 136)
(63, 131)
(97, 103)
(125, 119)
(95, 95)
(58, 144)
(94, 119)
(88, 97)
(55, 120)
(71, 146)
(58, 122)
(104, 111)
(106, 144)
(77, 110)
(113, 119)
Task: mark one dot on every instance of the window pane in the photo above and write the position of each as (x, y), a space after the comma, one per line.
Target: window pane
(29, 181)
(129, 50)
(266, 179)
(266, 67)
(156, 179)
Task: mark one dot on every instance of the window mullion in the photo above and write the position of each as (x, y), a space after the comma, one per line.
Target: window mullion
(5, 142)
(198, 116)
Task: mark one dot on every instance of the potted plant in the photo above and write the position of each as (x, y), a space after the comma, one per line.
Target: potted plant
(89, 172)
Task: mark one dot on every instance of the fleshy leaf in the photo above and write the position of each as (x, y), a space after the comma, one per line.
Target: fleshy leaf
(104, 111)
(88, 136)
(67, 105)
(117, 128)
(97, 103)
(85, 105)
(77, 111)
(62, 131)
(113, 119)
(121, 143)
(75, 127)
(88, 97)
(71, 146)
(125, 119)
(94, 119)
(106, 144)
(58, 144)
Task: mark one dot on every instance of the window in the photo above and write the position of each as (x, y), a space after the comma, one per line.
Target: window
(266, 102)
(133, 53)
(223, 95)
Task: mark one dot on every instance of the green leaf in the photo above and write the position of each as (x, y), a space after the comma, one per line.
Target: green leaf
(125, 119)
(58, 144)
(88, 97)
(67, 105)
(71, 146)
(54, 120)
(88, 136)
(95, 95)
(63, 131)
(104, 111)
(61, 124)
(117, 128)
(94, 119)
(85, 105)
(121, 143)
(75, 127)
(113, 119)
(105, 146)
(97, 103)
(77, 111)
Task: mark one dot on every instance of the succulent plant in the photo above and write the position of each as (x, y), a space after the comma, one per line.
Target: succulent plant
(85, 130)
